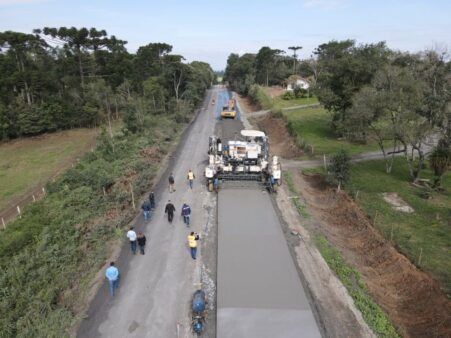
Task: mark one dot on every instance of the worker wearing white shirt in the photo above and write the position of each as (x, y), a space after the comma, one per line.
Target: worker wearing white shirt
(131, 235)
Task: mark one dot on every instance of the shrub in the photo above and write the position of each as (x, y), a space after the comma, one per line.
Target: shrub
(339, 169)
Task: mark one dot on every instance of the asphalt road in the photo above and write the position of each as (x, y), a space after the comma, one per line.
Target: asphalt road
(155, 290)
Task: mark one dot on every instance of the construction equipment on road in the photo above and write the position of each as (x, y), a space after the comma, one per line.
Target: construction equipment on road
(243, 160)
(198, 307)
(229, 111)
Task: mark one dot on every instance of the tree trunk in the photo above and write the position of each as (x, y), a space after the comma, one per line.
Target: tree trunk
(80, 67)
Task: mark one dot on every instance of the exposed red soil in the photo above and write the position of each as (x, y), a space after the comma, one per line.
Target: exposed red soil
(274, 91)
(281, 144)
(246, 103)
(411, 298)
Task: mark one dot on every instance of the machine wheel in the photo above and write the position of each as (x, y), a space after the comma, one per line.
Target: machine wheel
(210, 186)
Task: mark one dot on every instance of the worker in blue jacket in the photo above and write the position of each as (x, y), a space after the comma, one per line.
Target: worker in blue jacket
(112, 274)
(186, 212)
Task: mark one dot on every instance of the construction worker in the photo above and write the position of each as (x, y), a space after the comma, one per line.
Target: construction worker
(186, 212)
(146, 210)
(131, 235)
(171, 183)
(216, 183)
(170, 211)
(219, 145)
(112, 274)
(152, 200)
(192, 242)
(190, 178)
(141, 242)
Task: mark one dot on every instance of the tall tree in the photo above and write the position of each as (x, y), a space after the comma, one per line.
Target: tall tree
(345, 69)
(294, 49)
(265, 62)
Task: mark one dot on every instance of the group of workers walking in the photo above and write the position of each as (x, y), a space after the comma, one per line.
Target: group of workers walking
(139, 240)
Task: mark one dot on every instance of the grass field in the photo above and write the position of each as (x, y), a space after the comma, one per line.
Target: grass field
(281, 103)
(311, 126)
(25, 163)
(426, 232)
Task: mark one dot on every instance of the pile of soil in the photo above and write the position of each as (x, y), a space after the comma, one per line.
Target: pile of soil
(281, 143)
(411, 298)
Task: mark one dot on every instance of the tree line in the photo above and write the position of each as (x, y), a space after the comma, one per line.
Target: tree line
(401, 100)
(60, 78)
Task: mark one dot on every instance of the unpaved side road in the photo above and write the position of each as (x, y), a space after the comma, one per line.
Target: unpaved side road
(155, 290)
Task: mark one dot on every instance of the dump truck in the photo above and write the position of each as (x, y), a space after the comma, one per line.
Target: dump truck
(243, 159)
(229, 111)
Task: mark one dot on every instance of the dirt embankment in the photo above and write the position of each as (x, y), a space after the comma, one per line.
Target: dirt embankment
(412, 299)
(281, 143)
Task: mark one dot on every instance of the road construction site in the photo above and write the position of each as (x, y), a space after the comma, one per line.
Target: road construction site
(253, 280)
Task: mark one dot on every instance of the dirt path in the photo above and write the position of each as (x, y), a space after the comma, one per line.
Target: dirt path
(412, 299)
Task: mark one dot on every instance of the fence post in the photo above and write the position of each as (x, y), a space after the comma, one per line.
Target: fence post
(18, 211)
(43, 190)
(325, 162)
(34, 198)
(419, 258)
(3, 222)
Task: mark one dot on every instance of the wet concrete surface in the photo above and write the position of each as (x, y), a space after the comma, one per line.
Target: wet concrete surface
(259, 290)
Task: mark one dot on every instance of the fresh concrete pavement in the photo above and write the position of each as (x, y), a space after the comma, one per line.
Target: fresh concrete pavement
(260, 294)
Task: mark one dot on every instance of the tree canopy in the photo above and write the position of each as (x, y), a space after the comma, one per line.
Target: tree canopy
(56, 78)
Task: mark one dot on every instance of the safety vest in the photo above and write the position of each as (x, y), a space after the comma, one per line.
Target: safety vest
(190, 175)
(192, 241)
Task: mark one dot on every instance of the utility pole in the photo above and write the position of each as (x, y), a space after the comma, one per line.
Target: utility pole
(294, 49)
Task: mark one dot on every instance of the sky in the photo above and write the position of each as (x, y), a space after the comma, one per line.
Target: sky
(208, 30)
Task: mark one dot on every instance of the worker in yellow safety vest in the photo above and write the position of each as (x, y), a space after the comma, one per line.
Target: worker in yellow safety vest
(192, 242)
(190, 178)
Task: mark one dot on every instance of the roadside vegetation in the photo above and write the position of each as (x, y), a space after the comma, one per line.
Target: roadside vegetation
(374, 316)
(50, 255)
(280, 102)
(29, 162)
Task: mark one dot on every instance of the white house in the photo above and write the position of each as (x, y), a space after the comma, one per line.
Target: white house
(298, 83)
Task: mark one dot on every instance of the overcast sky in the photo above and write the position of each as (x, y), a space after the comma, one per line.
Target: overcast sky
(211, 30)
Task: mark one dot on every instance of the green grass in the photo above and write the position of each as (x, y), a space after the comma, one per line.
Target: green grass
(311, 127)
(26, 163)
(281, 103)
(426, 231)
(374, 316)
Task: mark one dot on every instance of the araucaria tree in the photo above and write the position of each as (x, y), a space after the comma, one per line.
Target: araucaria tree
(60, 78)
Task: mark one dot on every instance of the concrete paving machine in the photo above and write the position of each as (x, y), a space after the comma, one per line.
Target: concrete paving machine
(247, 159)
